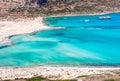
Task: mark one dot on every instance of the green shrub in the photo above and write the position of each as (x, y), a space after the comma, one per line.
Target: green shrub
(110, 80)
(82, 76)
(36, 79)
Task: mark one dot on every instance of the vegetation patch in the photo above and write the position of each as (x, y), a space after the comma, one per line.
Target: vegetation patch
(82, 76)
(7, 80)
(118, 73)
(110, 80)
(64, 80)
(37, 78)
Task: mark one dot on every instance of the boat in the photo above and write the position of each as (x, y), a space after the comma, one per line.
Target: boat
(104, 17)
(86, 20)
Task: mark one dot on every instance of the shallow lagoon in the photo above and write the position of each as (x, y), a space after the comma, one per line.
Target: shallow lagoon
(83, 41)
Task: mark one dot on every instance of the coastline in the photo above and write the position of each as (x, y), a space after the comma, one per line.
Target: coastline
(9, 28)
(21, 26)
(86, 14)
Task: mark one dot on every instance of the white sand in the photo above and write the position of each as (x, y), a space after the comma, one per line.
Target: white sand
(22, 26)
(8, 28)
(51, 72)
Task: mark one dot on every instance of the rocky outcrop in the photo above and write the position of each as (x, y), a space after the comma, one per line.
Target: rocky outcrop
(7, 5)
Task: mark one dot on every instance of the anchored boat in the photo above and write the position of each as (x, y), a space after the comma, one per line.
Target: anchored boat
(104, 17)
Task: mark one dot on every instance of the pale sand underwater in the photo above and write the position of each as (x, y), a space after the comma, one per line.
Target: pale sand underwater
(21, 26)
(9, 28)
(29, 25)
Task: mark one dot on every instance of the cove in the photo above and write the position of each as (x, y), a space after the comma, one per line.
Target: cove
(83, 41)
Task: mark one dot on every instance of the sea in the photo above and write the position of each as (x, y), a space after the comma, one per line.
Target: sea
(89, 40)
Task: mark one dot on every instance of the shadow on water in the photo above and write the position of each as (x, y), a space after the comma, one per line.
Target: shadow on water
(4, 46)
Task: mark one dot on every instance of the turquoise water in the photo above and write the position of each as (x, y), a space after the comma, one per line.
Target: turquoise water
(83, 41)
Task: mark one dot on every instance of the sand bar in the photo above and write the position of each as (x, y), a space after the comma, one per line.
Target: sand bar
(21, 26)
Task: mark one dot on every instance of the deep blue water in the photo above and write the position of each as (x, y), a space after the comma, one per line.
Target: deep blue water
(83, 40)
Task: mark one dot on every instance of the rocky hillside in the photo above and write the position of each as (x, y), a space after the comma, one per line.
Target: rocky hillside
(51, 7)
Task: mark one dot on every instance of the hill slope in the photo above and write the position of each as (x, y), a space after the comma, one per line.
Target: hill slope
(51, 7)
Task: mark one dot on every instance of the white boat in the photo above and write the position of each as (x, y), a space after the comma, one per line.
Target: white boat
(104, 17)
(86, 20)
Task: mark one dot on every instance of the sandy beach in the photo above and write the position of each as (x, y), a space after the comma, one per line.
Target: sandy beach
(29, 25)
(52, 72)
(91, 40)
(20, 26)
